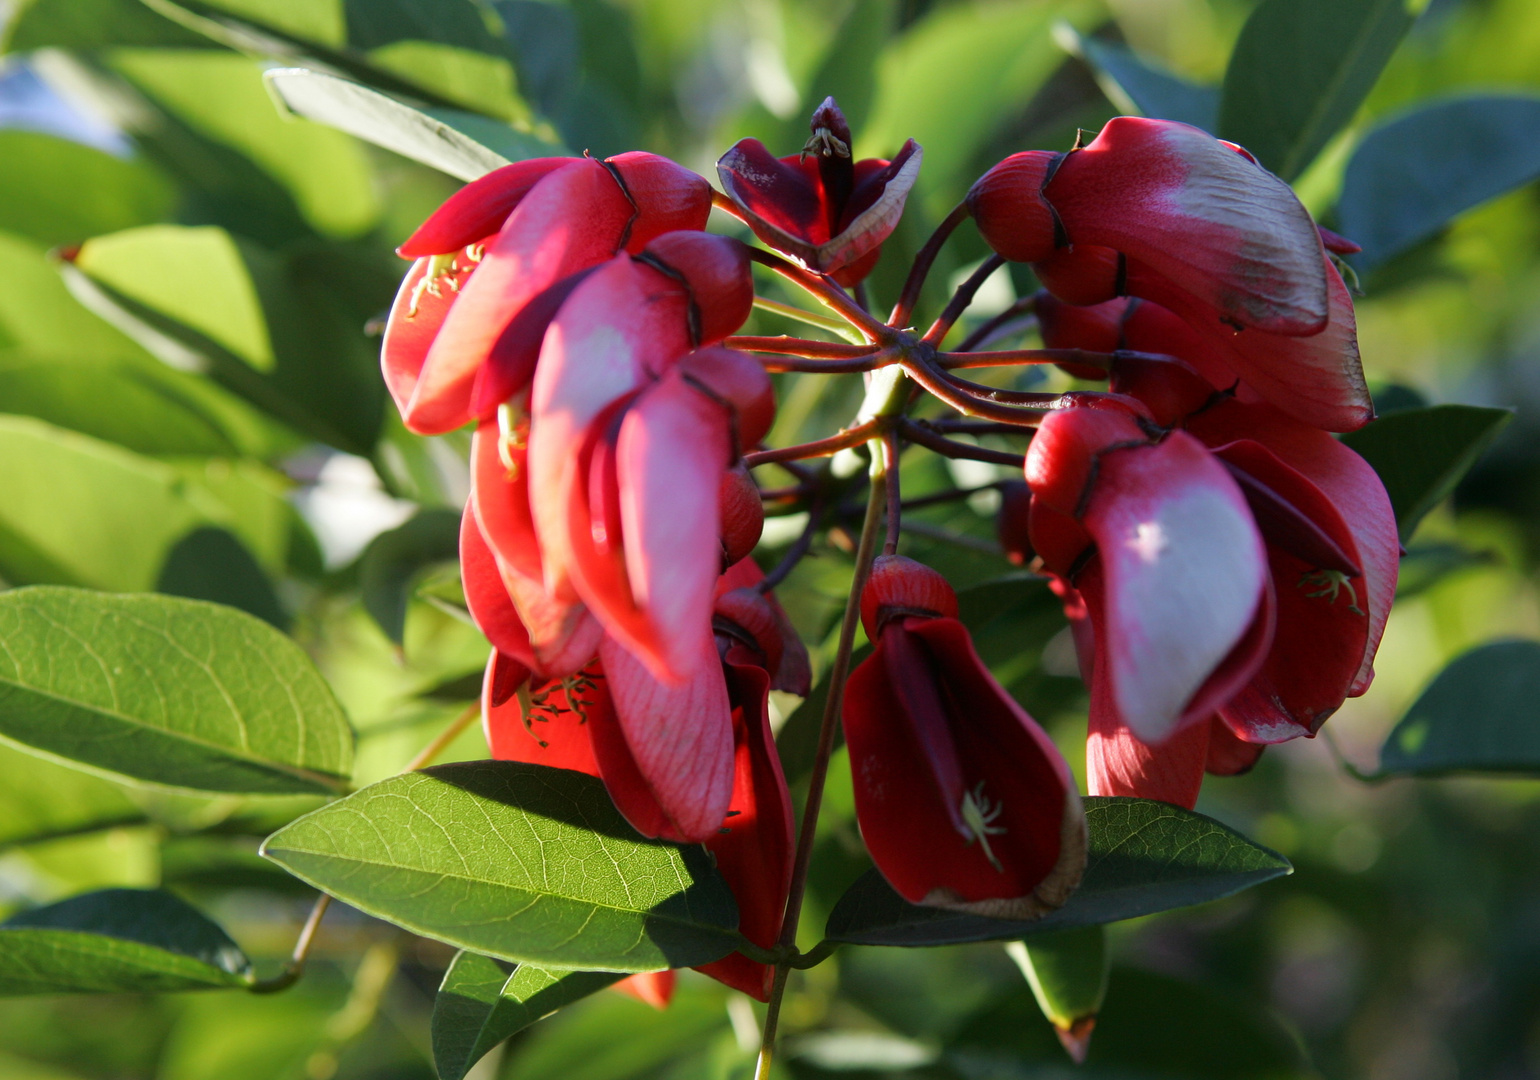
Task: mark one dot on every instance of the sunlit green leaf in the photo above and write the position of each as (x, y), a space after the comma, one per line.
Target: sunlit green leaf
(1410, 177)
(115, 941)
(166, 690)
(60, 192)
(1421, 454)
(520, 862)
(1299, 72)
(1477, 716)
(481, 1002)
(1067, 972)
(1145, 857)
(89, 24)
(394, 559)
(40, 800)
(461, 144)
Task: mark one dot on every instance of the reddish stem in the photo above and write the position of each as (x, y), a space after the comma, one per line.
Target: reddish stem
(921, 436)
(961, 299)
(831, 294)
(1010, 357)
(920, 269)
(818, 448)
(940, 384)
(988, 329)
(795, 346)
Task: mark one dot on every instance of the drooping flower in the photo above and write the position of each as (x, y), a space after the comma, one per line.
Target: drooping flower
(1206, 218)
(496, 246)
(963, 801)
(823, 208)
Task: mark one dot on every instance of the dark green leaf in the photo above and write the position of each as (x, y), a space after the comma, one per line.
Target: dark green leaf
(271, 328)
(1477, 716)
(169, 691)
(1411, 176)
(116, 941)
(460, 144)
(1137, 85)
(394, 559)
(1145, 857)
(1421, 454)
(520, 862)
(481, 1003)
(1299, 72)
(797, 740)
(1426, 565)
(61, 192)
(212, 564)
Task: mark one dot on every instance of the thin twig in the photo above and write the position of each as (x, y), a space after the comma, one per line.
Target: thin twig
(811, 318)
(867, 361)
(727, 206)
(940, 385)
(985, 331)
(890, 452)
(442, 740)
(795, 346)
(1013, 357)
(919, 270)
(961, 299)
(963, 425)
(818, 448)
(917, 433)
(826, 291)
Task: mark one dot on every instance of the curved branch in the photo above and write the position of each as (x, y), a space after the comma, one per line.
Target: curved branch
(1023, 309)
(818, 448)
(794, 346)
(1011, 357)
(961, 299)
(920, 269)
(920, 436)
(831, 295)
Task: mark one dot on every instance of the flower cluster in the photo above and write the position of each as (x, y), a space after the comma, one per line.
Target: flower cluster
(1225, 563)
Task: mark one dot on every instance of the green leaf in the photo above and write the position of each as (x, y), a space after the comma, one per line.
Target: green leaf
(481, 1003)
(60, 192)
(520, 862)
(1137, 85)
(1421, 454)
(393, 560)
(461, 144)
(1411, 176)
(88, 24)
(267, 326)
(169, 691)
(212, 564)
(1299, 72)
(117, 941)
(1145, 857)
(40, 800)
(1477, 716)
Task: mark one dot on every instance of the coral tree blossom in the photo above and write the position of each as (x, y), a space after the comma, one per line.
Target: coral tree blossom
(963, 801)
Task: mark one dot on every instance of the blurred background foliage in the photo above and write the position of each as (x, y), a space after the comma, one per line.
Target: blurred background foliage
(190, 284)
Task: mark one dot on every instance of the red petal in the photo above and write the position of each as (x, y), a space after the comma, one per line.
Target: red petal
(1117, 763)
(795, 673)
(1228, 755)
(667, 196)
(655, 988)
(1292, 512)
(754, 849)
(1184, 572)
(479, 209)
(619, 329)
(487, 597)
(555, 733)
(510, 366)
(1317, 379)
(575, 218)
(679, 742)
(1200, 215)
(907, 812)
(409, 333)
(1348, 481)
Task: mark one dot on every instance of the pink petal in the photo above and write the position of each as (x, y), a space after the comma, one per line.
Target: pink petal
(409, 331)
(1117, 763)
(1207, 219)
(479, 209)
(619, 329)
(487, 597)
(680, 738)
(1184, 572)
(510, 366)
(574, 218)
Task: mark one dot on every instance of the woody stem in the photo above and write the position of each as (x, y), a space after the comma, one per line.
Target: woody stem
(866, 551)
(827, 293)
(919, 270)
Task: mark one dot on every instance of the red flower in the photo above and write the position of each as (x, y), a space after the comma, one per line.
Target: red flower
(824, 209)
(1189, 207)
(962, 799)
(496, 246)
(657, 748)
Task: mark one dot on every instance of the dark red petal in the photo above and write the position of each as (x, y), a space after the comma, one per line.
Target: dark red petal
(1063, 457)
(1011, 525)
(1228, 755)
(1084, 274)
(678, 740)
(716, 271)
(1205, 218)
(479, 209)
(743, 514)
(1292, 512)
(781, 197)
(794, 675)
(1008, 205)
(1169, 387)
(900, 586)
(754, 848)
(907, 812)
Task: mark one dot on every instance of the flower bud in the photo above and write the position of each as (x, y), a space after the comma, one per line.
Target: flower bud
(748, 618)
(1083, 274)
(1007, 203)
(739, 382)
(716, 271)
(1170, 388)
(743, 514)
(666, 196)
(901, 586)
(479, 209)
(1061, 460)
